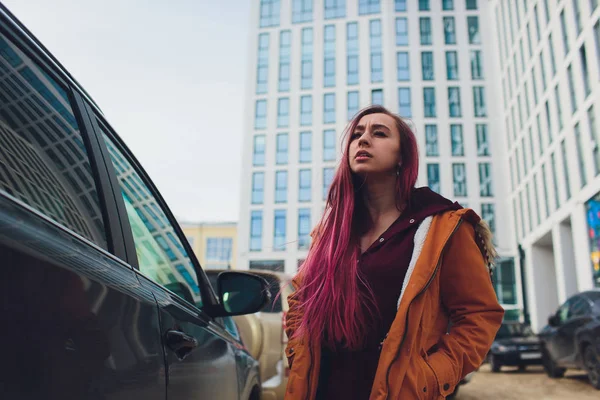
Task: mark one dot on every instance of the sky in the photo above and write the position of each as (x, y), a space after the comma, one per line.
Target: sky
(170, 78)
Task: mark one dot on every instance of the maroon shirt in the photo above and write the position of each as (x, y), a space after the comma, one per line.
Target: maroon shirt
(349, 374)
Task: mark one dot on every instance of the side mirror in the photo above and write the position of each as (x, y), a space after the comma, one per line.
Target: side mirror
(241, 293)
(553, 321)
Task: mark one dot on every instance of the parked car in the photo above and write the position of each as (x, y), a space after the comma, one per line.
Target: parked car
(102, 296)
(264, 334)
(572, 338)
(515, 345)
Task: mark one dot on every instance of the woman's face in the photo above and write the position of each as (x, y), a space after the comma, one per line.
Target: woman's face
(375, 146)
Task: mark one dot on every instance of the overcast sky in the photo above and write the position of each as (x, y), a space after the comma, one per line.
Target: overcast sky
(169, 76)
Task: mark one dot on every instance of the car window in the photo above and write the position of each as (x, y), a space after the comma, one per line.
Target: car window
(563, 312)
(161, 255)
(513, 330)
(43, 159)
(579, 307)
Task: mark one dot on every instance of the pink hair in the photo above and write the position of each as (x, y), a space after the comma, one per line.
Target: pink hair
(336, 310)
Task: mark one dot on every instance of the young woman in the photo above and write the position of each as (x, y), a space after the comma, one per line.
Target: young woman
(395, 299)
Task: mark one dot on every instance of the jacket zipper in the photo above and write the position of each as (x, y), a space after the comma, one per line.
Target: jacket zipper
(437, 266)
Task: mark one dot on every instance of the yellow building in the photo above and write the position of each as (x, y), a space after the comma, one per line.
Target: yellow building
(214, 243)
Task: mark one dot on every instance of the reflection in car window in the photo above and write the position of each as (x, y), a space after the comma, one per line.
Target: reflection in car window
(579, 308)
(43, 160)
(161, 255)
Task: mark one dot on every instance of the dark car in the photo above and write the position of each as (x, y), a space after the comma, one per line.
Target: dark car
(515, 345)
(101, 295)
(572, 337)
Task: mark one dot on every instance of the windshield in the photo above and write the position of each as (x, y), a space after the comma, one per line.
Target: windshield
(513, 330)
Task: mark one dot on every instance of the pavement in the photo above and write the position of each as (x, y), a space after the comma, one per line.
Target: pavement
(532, 384)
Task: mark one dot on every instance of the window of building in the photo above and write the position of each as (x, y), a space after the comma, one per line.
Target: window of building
(282, 149)
(471, 4)
(305, 147)
(456, 139)
(543, 69)
(366, 7)
(548, 122)
(552, 57)
(459, 174)
(555, 181)
(473, 29)
(563, 149)
(327, 179)
(433, 177)
(573, 94)
(219, 250)
(597, 41)
(488, 215)
(431, 141)
(400, 5)
(44, 161)
(425, 29)
(404, 104)
(258, 154)
(306, 110)
(402, 31)
(302, 11)
(536, 200)
(537, 23)
(279, 230)
(429, 102)
(335, 9)
(595, 137)
(353, 104)
(269, 13)
(305, 185)
(256, 230)
(580, 157)
(376, 56)
(454, 102)
(403, 68)
(427, 66)
(329, 108)
(260, 121)
(281, 186)
(480, 109)
(283, 112)
(304, 227)
(424, 5)
(307, 59)
(529, 45)
(584, 71)
(476, 65)
(285, 52)
(262, 72)
(577, 16)
(545, 186)
(505, 283)
(258, 186)
(352, 51)
(329, 57)
(451, 65)
(447, 5)
(483, 145)
(485, 180)
(565, 33)
(559, 115)
(329, 145)
(377, 96)
(449, 30)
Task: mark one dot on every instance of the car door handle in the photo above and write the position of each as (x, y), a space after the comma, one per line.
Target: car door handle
(180, 343)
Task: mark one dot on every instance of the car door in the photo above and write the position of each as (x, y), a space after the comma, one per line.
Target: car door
(554, 338)
(76, 323)
(577, 316)
(200, 354)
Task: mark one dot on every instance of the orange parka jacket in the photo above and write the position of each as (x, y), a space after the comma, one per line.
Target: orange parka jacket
(446, 321)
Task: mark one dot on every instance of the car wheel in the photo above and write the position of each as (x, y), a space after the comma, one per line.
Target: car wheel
(552, 370)
(495, 363)
(591, 362)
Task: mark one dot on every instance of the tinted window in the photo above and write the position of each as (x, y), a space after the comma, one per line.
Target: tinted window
(161, 255)
(513, 330)
(579, 307)
(43, 160)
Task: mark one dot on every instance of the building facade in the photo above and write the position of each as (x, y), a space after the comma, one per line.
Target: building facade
(213, 243)
(315, 63)
(548, 79)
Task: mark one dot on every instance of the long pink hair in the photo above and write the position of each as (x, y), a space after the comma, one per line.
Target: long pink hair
(336, 309)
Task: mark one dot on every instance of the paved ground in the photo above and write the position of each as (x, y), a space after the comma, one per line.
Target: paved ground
(533, 384)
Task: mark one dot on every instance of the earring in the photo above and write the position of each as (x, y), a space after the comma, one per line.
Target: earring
(398, 170)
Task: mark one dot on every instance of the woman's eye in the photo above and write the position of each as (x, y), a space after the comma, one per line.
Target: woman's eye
(379, 133)
(355, 136)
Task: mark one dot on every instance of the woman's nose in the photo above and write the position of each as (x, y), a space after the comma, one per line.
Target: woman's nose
(363, 139)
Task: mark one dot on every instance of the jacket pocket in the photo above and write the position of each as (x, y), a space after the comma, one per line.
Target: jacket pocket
(429, 386)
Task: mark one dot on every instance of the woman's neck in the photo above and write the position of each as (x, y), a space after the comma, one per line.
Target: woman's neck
(380, 199)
